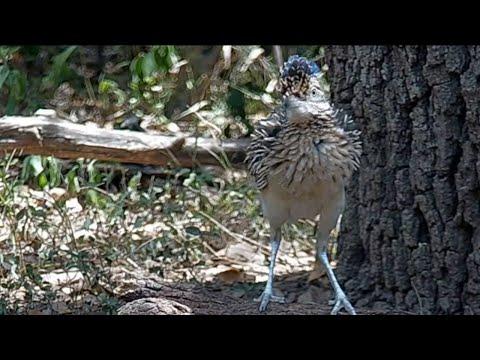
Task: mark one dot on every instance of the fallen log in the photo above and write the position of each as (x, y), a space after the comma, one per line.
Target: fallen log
(52, 136)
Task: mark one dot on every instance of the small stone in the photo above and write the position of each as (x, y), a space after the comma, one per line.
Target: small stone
(154, 306)
(57, 193)
(73, 205)
(172, 127)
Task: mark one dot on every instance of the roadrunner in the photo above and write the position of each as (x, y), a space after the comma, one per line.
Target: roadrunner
(301, 158)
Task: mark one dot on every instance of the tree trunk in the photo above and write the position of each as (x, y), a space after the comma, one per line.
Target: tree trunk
(410, 234)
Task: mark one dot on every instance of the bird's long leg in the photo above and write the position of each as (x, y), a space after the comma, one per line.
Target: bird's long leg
(341, 299)
(267, 294)
(324, 225)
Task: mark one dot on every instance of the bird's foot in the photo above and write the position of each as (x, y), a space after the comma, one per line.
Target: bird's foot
(341, 301)
(266, 297)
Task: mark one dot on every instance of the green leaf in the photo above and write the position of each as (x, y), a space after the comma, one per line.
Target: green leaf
(172, 56)
(106, 86)
(20, 86)
(73, 184)
(94, 177)
(4, 72)
(54, 171)
(26, 170)
(42, 181)
(60, 59)
(149, 65)
(35, 162)
(59, 71)
(110, 86)
(136, 72)
(121, 96)
(92, 196)
(136, 68)
(162, 58)
(11, 105)
(190, 180)
(134, 181)
(95, 198)
(7, 51)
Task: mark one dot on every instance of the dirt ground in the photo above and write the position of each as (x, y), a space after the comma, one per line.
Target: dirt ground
(153, 297)
(166, 257)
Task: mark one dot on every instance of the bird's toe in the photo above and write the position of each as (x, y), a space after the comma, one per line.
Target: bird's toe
(341, 301)
(265, 299)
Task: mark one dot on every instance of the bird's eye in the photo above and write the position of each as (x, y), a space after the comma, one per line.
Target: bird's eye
(314, 92)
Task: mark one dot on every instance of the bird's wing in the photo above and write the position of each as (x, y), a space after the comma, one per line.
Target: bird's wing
(264, 136)
(345, 121)
(353, 144)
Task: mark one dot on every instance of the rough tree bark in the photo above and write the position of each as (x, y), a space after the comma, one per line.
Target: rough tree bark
(410, 235)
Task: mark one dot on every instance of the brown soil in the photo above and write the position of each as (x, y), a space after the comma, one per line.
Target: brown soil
(154, 297)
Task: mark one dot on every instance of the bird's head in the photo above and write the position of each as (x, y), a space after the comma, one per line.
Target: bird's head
(296, 75)
(300, 85)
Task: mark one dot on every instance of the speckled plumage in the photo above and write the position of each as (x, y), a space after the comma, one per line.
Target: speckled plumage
(301, 158)
(304, 152)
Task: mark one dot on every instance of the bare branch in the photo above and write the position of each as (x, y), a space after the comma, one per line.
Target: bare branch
(50, 135)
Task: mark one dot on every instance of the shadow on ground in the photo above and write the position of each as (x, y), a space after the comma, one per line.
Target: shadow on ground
(153, 297)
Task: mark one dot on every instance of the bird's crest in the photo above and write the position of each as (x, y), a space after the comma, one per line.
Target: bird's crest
(296, 74)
